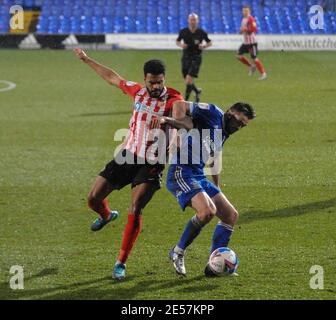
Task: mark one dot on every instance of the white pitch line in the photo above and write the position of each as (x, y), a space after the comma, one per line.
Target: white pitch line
(10, 85)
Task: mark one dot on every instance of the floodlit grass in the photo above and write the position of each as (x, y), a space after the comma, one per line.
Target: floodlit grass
(56, 133)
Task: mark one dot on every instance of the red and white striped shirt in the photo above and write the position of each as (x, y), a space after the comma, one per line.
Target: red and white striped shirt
(250, 26)
(138, 139)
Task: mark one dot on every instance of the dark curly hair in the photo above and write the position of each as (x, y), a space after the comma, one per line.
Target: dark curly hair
(154, 67)
(245, 108)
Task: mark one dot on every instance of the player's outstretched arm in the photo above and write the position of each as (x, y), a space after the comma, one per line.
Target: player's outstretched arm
(180, 118)
(181, 112)
(109, 75)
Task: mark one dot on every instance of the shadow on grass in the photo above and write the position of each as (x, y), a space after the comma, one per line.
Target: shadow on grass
(7, 293)
(106, 288)
(131, 287)
(45, 272)
(298, 210)
(103, 114)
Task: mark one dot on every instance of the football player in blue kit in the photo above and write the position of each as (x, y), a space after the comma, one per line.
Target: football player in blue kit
(208, 128)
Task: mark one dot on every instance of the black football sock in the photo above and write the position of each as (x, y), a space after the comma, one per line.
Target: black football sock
(189, 88)
(195, 88)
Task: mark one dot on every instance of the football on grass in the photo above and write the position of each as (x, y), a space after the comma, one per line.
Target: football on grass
(223, 261)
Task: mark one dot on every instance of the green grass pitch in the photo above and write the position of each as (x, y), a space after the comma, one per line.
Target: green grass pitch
(56, 133)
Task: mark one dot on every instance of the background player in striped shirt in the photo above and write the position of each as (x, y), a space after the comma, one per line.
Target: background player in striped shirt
(131, 165)
(248, 29)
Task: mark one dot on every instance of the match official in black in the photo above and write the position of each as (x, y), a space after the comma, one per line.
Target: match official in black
(193, 41)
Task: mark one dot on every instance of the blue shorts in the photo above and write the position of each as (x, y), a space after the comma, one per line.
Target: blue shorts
(184, 184)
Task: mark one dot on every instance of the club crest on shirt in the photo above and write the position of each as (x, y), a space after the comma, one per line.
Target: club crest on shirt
(138, 106)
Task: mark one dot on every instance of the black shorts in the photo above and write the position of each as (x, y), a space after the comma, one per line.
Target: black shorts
(191, 65)
(252, 49)
(120, 173)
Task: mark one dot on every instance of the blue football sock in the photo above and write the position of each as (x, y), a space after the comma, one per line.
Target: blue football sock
(191, 231)
(221, 236)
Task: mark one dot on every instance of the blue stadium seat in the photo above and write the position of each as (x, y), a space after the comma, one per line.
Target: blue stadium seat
(168, 16)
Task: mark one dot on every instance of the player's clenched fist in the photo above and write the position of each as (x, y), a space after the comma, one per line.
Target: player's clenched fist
(81, 54)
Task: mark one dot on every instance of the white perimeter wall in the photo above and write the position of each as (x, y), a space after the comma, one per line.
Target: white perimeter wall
(226, 42)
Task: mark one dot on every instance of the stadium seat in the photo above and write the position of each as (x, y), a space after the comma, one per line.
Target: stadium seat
(168, 16)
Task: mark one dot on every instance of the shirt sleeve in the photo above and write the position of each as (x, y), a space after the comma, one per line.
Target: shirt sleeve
(200, 110)
(174, 98)
(252, 25)
(206, 37)
(129, 87)
(180, 36)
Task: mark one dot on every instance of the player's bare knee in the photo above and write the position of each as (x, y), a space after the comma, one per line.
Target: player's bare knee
(189, 79)
(209, 215)
(234, 215)
(206, 214)
(92, 199)
(229, 216)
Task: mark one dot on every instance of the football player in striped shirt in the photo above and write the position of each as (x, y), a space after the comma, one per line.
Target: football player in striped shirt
(134, 163)
(248, 29)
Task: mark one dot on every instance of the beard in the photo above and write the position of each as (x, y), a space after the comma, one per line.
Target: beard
(155, 93)
(230, 125)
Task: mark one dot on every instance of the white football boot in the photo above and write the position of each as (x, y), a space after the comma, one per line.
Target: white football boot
(263, 76)
(176, 255)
